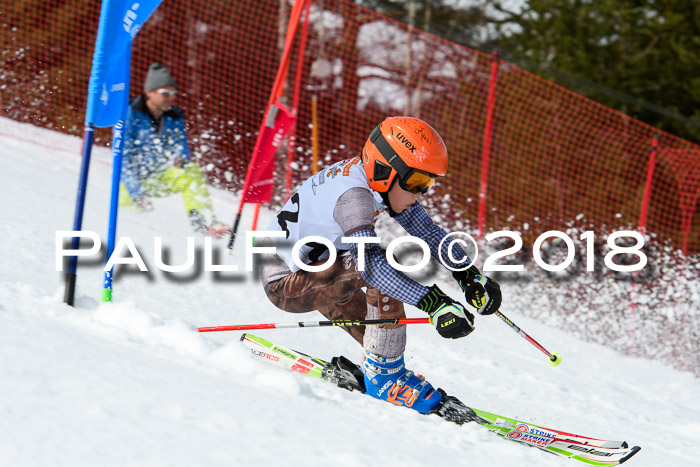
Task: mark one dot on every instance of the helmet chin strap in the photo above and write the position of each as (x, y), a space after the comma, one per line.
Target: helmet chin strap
(385, 198)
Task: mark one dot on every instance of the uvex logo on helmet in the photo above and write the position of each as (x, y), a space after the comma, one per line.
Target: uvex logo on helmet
(406, 142)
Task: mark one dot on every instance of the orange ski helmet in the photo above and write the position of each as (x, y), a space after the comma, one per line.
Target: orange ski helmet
(407, 147)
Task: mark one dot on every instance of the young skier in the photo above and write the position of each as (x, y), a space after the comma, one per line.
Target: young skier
(400, 162)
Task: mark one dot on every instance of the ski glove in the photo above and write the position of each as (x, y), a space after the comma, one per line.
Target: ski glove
(450, 318)
(480, 291)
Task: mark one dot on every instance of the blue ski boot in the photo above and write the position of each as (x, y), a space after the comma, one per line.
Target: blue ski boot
(387, 378)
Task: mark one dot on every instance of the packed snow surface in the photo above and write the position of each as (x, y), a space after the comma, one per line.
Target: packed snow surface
(133, 383)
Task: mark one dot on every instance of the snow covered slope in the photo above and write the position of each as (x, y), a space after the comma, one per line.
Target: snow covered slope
(134, 383)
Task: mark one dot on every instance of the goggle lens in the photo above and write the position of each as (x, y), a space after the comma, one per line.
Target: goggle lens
(167, 93)
(418, 182)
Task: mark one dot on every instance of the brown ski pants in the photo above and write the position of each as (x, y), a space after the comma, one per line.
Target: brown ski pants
(337, 293)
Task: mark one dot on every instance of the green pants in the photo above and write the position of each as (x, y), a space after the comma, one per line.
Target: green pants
(188, 180)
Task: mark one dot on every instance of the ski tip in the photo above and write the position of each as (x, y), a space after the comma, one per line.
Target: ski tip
(557, 359)
(243, 336)
(634, 451)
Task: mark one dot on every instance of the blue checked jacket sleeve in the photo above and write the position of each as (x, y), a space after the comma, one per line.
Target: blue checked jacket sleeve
(418, 223)
(379, 274)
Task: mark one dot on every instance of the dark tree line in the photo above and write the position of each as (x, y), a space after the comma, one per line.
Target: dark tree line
(641, 57)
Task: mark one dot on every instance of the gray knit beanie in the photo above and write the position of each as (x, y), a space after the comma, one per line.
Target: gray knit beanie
(158, 77)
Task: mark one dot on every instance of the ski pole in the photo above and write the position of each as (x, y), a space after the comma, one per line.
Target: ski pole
(315, 324)
(554, 358)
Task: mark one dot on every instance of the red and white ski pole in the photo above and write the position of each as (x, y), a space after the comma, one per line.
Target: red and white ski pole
(554, 358)
(315, 324)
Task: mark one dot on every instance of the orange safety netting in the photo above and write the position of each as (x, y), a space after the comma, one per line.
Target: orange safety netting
(555, 159)
(525, 154)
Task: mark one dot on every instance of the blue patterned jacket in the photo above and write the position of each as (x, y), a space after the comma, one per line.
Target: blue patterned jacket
(150, 146)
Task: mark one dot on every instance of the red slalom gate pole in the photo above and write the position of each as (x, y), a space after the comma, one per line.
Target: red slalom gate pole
(486, 149)
(554, 358)
(315, 324)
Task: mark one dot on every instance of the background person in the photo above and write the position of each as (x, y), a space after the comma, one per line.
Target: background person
(156, 158)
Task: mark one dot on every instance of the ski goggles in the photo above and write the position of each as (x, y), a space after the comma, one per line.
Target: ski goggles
(167, 93)
(412, 180)
(417, 182)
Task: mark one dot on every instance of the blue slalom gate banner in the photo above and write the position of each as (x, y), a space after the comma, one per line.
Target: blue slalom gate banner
(108, 98)
(108, 91)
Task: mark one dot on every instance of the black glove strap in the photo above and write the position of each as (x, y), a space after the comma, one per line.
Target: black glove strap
(434, 299)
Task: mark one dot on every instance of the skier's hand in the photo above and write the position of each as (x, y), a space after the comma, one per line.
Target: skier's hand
(481, 292)
(143, 202)
(451, 319)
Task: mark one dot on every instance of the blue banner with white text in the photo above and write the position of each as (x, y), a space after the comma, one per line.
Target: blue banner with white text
(108, 90)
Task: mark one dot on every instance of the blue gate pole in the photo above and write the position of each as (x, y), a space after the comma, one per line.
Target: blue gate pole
(117, 149)
(88, 138)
